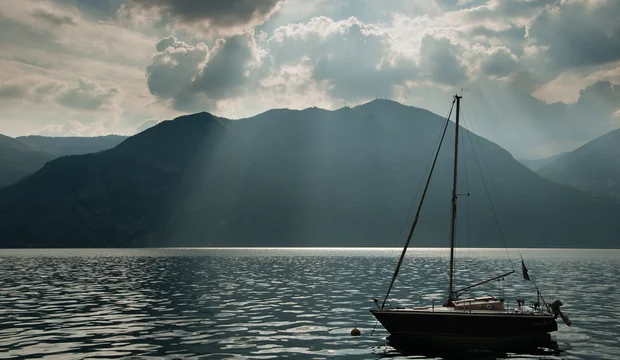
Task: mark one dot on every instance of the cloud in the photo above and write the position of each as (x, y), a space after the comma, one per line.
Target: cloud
(519, 9)
(241, 57)
(88, 95)
(233, 63)
(46, 91)
(59, 108)
(96, 9)
(291, 86)
(72, 128)
(12, 91)
(193, 77)
(604, 96)
(223, 17)
(501, 62)
(353, 58)
(54, 19)
(512, 38)
(174, 67)
(578, 33)
(42, 64)
(439, 61)
(48, 32)
(416, 60)
(448, 5)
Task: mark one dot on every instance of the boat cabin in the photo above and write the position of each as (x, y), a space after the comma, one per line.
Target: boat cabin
(479, 303)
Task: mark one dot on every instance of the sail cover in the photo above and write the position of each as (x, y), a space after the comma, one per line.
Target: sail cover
(526, 276)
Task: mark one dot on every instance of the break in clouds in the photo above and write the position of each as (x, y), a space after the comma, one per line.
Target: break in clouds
(539, 77)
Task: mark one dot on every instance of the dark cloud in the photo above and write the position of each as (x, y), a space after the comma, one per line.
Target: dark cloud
(512, 37)
(13, 91)
(87, 95)
(213, 14)
(170, 41)
(51, 18)
(232, 64)
(500, 63)
(604, 96)
(174, 67)
(439, 61)
(187, 74)
(578, 33)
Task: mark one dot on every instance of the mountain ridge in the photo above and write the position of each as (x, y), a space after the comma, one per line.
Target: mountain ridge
(18, 159)
(537, 164)
(22, 156)
(71, 145)
(592, 167)
(294, 178)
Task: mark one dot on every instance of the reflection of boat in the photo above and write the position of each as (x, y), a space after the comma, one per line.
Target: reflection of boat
(513, 350)
(463, 321)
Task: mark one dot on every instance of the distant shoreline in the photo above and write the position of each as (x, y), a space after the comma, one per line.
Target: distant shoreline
(309, 248)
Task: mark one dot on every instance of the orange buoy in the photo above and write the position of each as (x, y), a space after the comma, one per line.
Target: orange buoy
(356, 332)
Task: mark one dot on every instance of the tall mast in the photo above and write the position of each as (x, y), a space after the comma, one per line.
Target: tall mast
(417, 214)
(453, 222)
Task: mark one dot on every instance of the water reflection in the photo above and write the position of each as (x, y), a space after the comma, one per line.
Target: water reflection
(542, 349)
(260, 304)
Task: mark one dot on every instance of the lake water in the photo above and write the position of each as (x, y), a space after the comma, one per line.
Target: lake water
(275, 303)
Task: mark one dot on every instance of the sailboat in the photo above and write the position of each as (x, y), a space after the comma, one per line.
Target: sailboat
(465, 320)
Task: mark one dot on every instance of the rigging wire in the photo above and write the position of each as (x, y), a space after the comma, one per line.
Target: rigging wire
(501, 208)
(486, 188)
(418, 188)
(415, 221)
(417, 192)
(509, 224)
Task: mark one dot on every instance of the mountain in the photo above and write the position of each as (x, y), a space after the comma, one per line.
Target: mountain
(18, 159)
(26, 154)
(535, 164)
(593, 167)
(72, 145)
(297, 178)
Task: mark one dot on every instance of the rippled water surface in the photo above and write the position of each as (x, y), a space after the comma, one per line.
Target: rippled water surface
(273, 303)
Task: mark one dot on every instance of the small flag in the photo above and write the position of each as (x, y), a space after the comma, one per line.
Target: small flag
(526, 276)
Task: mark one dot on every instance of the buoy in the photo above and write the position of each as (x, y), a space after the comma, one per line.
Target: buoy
(356, 332)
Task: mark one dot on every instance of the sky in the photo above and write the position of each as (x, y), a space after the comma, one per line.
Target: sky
(538, 76)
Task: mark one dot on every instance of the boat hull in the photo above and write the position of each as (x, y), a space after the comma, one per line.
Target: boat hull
(464, 327)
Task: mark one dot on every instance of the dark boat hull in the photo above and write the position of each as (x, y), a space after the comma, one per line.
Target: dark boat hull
(462, 327)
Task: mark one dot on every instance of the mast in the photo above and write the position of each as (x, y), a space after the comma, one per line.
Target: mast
(417, 214)
(453, 222)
